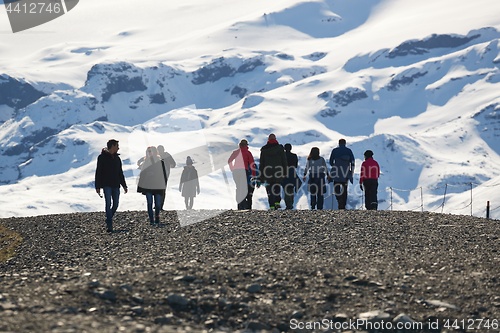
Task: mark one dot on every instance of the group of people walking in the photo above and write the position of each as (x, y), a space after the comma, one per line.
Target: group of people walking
(153, 177)
(277, 171)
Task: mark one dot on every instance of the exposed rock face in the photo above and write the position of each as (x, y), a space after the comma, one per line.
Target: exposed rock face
(344, 97)
(17, 94)
(433, 42)
(118, 77)
(249, 271)
(221, 68)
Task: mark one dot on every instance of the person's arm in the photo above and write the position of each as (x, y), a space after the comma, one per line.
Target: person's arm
(197, 182)
(171, 161)
(332, 157)
(253, 167)
(325, 167)
(262, 162)
(181, 180)
(98, 176)
(353, 161)
(232, 157)
(362, 175)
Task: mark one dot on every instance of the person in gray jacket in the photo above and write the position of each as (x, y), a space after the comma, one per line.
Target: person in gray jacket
(342, 168)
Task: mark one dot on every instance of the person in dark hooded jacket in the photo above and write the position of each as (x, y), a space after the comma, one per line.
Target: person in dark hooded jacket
(292, 182)
(109, 176)
(273, 169)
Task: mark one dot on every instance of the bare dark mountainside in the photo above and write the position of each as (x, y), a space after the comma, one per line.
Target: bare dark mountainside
(274, 271)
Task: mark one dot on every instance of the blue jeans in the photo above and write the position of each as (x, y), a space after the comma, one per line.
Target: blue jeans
(111, 198)
(153, 217)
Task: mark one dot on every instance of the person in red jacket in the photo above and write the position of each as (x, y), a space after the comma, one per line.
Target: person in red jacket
(370, 171)
(242, 165)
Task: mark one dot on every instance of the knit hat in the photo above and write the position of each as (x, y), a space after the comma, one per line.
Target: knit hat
(368, 153)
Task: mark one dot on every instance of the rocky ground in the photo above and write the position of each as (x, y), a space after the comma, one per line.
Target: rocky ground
(279, 271)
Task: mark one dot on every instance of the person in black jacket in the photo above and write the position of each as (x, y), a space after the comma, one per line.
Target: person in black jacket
(273, 168)
(109, 176)
(292, 182)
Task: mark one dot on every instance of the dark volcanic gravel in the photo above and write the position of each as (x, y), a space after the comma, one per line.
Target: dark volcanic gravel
(295, 271)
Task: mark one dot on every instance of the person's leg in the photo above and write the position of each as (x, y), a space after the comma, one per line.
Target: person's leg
(249, 196)
(320, 201)
(344, 195)
(371, 201)
(276, 194)
(340, 190)
(289, 194)
(191, 202)
(270, 199)
(107, 207)
(149, 203)
(367, 194)
(313, 201)
(115, 195)
(163, 196)
(373, 194)
(158, 202)
(337, 190)
(240, 180)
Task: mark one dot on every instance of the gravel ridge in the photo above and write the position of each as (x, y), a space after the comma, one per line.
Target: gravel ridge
(252, 271)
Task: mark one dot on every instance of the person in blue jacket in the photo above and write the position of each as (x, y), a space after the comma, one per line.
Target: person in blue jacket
(342, 168)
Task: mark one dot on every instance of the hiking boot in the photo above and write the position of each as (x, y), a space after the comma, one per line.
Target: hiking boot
(157, 219)
(277, 205)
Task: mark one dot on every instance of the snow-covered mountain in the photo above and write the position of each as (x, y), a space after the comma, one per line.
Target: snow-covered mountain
(416, 82)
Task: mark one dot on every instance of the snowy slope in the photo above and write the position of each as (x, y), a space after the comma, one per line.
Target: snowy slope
(416, 82)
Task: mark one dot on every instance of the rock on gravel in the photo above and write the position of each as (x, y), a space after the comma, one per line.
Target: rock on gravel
(253, 271)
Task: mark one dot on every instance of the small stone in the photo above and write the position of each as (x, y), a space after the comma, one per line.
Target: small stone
(297, 315)
(403, 318)
(254, 288)
(107, 295)
(178, 302)
(257, 326)
(138, 310)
